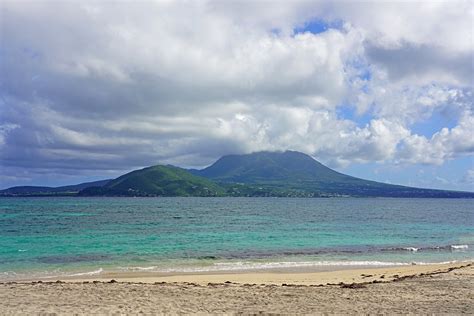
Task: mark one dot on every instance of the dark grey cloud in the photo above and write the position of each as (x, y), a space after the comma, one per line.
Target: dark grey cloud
(423, 61)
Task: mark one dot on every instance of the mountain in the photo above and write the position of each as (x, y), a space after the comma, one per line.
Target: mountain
(157, 181)
(297, 174)
(282, 174)
(267, 167)
(42, 191)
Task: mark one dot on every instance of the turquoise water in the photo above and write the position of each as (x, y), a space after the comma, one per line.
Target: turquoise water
(42, 237)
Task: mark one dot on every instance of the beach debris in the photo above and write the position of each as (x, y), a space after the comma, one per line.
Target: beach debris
(112, 281)
(353, 286)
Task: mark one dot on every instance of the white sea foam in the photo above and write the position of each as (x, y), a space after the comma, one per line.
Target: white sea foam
(242, 265)
(135, 269)
(411, 249)
(459, 247)
(95, 272)
(8, 274)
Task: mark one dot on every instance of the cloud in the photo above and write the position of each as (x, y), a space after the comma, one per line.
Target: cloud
(106, 87)
(443, 145)
(423, 63)
(468, 177)
(412, 29)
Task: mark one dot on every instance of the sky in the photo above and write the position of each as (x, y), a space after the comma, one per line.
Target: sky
(379, 90)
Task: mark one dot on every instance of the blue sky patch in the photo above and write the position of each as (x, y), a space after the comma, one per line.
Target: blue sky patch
(349, 112)
(434, 124)
(318, 26)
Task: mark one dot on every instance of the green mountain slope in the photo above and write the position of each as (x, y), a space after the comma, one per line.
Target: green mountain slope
(262, 167)
(158, 181)
(297, 174)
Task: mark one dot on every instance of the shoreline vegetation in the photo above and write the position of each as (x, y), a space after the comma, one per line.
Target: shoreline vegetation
(261, 174)
(437, 288)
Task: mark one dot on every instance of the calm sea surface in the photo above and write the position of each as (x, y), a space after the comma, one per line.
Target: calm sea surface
(41, 237)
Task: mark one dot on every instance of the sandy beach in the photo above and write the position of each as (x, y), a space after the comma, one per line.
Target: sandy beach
(438, 289)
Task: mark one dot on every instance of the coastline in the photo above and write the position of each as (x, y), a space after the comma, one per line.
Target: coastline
(444, 288)
(278, 277)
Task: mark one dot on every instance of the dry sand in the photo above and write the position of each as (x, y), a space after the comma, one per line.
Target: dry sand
(436, 289)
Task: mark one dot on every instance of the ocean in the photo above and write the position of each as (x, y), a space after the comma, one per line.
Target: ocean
(58, 236)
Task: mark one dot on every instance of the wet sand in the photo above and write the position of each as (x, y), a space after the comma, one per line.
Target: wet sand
(416, 289)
